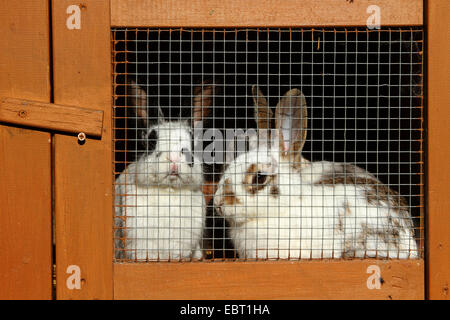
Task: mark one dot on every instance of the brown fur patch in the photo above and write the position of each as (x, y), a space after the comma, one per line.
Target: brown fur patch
(229, 197)
(274, 191)
(375, 191)
(389, 235)
(340, 225)
(342, 213)
(248, 180)
(349, 250)
(381, 192)
(347, 208)
(253, 168)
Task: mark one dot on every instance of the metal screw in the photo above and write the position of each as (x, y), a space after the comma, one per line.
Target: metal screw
(81, 137)
(22, 113)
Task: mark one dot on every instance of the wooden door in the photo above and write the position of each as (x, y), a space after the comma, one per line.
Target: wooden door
(83, 176)
(25, 155)
(83, 173)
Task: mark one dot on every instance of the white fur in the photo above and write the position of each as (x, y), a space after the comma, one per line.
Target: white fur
(162, 216)
(309, 220)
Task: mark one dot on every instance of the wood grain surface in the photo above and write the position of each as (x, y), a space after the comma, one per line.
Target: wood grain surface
(25, 155)
(268, 280)
(83, 173)
(261, 13)
(438, 214)
(51, 116)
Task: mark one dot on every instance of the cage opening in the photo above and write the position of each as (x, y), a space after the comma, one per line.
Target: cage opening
(364, 95)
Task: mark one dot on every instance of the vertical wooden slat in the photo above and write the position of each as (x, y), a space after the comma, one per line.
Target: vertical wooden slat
(438, 275)
(25, 219)
(83, 176)
(25, 157)
(24, 54)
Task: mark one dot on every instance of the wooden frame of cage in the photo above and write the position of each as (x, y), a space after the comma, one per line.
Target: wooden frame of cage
(77, 72)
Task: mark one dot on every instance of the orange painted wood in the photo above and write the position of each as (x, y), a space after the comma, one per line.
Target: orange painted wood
(24, 54)
(261, 13)
(278, 279)
(51, 116)
(83, 173)
(268, 280)
(25, 206)
(25, 156)
(438, 276)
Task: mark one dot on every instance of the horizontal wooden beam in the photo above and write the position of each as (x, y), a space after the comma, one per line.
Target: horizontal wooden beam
(262, 13)
(325, 279)
(51, 116)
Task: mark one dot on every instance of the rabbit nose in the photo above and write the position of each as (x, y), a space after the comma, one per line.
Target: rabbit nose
(174, 160)
(173, 168)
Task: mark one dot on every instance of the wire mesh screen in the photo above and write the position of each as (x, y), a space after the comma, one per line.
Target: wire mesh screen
(265, 144)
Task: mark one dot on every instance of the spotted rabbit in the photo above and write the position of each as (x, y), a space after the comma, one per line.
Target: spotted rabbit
(279, 205)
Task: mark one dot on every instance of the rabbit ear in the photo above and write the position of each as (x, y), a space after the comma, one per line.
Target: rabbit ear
(263, 113)
(291, 120)
(202, 102)
(137, 100)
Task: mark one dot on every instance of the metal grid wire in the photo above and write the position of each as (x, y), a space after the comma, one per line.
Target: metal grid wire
(256, 144)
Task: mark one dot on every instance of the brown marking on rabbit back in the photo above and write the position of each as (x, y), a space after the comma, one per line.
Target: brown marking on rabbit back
(390, 236)
(346, 211)
(340, 225)
(347, 208)
(394, 222)
(381, 192)
(375, 191)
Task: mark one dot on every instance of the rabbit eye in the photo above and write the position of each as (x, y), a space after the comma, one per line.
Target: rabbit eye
(158, 154)
(259, 178)
(188, 155)
(151, 141)
(256, 179)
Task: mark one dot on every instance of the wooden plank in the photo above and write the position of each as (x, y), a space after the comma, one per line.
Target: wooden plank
(51, 116)
(25, 205)
(261, 13)
(25, 156)
(269, 280)
(24, 57)
(83, 173)
(438, 275)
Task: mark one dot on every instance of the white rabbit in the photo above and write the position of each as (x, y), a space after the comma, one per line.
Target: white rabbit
(160, 208)
(281, 206)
